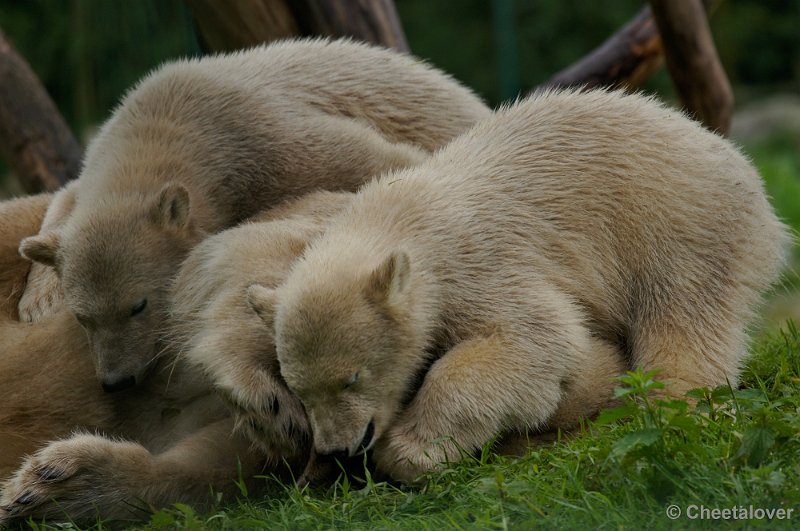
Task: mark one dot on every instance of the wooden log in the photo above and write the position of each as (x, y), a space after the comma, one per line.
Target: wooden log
(34, 138)
(374, 21)
(226, 25)
(626, 59)
(693, 62)
(234, 24)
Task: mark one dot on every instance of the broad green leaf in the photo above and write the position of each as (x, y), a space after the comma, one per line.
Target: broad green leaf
(756, 443)
(609, 416)
(686, 423)
(635, 439)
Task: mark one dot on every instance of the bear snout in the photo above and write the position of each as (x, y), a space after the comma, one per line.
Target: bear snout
(120, 384)
(331, 450)
(339, 455)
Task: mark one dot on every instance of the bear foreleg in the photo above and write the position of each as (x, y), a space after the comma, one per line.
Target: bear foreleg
(479, 389)
(87, 476)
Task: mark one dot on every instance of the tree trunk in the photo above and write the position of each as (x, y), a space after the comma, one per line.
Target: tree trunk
(693, 62)
(234, 24)
(230, 25)
(34, 138)
(374, 21)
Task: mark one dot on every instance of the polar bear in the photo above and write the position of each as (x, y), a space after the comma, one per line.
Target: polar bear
(564, 228)
(198, 146)
(219, 333)
(71, 451)
(171, 440)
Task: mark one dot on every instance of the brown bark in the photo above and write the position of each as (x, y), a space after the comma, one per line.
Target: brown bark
(34, 138)
(693, 62)
(233, 24)
(626, 59)
(374, 21)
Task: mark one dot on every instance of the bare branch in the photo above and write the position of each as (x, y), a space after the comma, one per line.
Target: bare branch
(233, 24)
(627, 58)
(693, 62)
(374, 21)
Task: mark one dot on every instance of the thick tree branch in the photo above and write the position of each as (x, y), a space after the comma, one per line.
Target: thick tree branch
(693, 62)
(627, 58)
(232, 24)
(34, 138)
(374, 21)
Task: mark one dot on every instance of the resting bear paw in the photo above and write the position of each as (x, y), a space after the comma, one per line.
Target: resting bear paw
(273, 419)
(42, 296)
(76, 479)
(404, 455)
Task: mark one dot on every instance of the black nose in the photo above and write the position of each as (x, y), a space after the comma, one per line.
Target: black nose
(119, 385)
(340, 455)
(365, 442)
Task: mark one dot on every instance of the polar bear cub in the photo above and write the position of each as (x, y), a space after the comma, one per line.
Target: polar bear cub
(219, 332)
(560, 228)
(198, 146)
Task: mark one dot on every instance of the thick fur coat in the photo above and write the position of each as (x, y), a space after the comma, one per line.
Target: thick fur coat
(567, 237)
(218, 331)
(198, 146)
(71, 451)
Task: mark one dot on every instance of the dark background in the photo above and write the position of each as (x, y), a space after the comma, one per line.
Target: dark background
(88, 52)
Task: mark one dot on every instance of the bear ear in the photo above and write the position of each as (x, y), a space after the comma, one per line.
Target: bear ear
(171, 209)
(41, 248)
(262, 301)
(390, 279)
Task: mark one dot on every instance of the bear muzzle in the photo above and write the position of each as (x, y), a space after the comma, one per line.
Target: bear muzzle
(356, 449)
(118, 384)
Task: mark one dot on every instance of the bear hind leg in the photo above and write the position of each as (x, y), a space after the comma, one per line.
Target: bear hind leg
(690, 350)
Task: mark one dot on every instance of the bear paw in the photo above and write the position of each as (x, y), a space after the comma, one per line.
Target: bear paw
(404, 455)
(75, 479)
(42, 296)
(276, 423)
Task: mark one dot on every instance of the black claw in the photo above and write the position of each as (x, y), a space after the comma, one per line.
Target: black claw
(26, 499)
(49, 473)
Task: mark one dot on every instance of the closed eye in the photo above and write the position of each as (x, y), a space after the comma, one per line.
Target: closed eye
(139, 307)
(350, 382)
